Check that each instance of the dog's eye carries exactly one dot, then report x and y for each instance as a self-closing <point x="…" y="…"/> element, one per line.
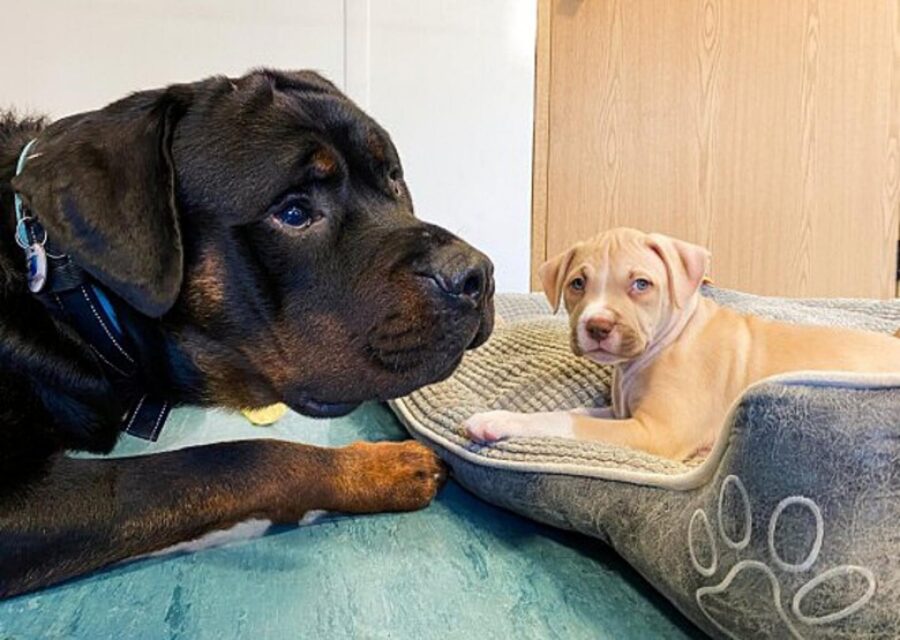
<point x="294" y="216"/>
<point x="641" y="284"/>
<point x="577" y="284"/>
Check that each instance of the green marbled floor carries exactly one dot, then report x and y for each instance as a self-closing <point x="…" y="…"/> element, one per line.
<point x="459" y="569"/>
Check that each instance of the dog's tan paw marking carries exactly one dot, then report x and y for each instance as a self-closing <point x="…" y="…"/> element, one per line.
<point x="388" y="476"/>
<point x="746" y="579"/>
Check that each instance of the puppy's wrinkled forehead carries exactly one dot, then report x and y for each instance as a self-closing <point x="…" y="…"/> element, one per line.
<point x="257" y="136"/>
<point x="615" y="255"/>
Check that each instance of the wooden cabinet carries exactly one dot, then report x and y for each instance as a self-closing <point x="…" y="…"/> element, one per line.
<point x="766" y="130"/>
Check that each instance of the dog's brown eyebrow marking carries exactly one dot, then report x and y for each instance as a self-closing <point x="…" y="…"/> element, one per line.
<point x="375" y="144"/>
<point x="323" y="163"/>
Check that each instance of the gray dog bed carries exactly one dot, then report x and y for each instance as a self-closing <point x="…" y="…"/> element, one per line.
<point x="791" y="526"/>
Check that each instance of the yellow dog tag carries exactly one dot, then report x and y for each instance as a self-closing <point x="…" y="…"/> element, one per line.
<point x="265" y="416"/>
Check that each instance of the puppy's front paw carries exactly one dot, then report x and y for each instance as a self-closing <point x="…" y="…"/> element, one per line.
<point x="491" y="426"/>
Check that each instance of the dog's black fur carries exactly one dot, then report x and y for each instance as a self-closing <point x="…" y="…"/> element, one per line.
<point x="173" y="200"/>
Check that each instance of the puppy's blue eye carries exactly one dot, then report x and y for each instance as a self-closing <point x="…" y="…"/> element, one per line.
<point x="294" y="216"/>
<point x="641" y="284"/>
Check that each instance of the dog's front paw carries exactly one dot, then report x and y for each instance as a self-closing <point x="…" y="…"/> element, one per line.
<point x="387" y="476"/>
<point x="491" y="426"/>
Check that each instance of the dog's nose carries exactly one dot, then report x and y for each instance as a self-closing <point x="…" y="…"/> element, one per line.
<point x="455" y="268"/>
<point x="599" y="328"/>
<point x="465" y="275"/>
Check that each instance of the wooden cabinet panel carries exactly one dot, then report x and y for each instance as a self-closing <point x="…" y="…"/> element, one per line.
<point x="767" y="130"/>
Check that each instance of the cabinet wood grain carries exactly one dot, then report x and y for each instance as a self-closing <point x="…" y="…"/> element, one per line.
<point x="766" y="130"/>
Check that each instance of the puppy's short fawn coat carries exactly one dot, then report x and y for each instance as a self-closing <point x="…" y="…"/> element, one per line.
<point x="680" y="359"/>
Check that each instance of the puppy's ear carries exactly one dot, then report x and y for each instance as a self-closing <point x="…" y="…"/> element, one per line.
<point x="686" y="264"/>
<point x="103" y="186"/>
<point x="553" y="274"/>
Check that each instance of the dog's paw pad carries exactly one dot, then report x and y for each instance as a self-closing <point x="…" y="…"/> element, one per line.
<point x="751" y="587"/>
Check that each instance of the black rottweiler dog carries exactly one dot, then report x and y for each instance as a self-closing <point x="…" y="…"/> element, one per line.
<point x="253" y="241"/>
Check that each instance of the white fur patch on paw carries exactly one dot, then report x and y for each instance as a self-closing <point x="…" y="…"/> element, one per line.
<point x="492" y="426"/>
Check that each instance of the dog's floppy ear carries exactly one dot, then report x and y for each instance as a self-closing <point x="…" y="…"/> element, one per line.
<point x="685" y="263"/>
<point x="102" y="184"/>
<point x="553" y="275"/>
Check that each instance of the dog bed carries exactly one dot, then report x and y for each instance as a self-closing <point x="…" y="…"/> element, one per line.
<point x="789" y="528"/>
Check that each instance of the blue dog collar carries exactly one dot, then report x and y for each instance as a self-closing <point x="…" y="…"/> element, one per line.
<point x="76" y="299"/>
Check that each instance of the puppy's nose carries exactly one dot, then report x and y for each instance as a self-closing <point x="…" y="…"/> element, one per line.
<point x="465" y="275"/>
<point x="599" y="328"/>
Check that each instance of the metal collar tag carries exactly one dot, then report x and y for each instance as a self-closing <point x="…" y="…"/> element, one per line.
<point x="30" y="236"/>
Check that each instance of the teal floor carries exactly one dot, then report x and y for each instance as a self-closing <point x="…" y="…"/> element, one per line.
<point x="459" y="569"/>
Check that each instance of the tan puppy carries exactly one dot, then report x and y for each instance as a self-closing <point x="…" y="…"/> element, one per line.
<point x="681" y="360"/>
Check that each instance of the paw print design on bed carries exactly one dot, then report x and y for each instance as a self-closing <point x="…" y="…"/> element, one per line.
<point x="840" y="599"/>
<point x="787" y="529"/>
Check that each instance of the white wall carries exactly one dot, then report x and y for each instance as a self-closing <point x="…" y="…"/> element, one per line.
<point x="65" y="56"/>
<point x="452" y="80"/>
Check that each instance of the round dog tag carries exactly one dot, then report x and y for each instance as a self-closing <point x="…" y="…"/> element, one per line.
<point x="36" y="258"/>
